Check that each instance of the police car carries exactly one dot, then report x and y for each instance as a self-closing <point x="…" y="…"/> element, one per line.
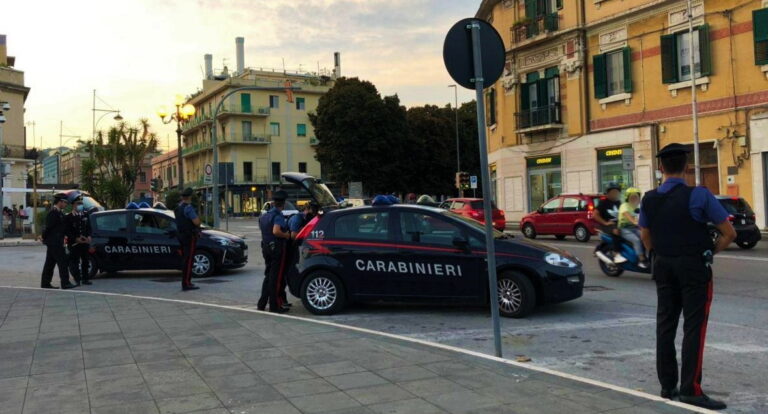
<point x="145" y="239"/>
<point x="413" y="253"/>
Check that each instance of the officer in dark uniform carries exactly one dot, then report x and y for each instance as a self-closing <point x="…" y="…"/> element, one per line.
<point x="674" y="221"/>
<point x="274" y="237"/>
<point x="78" y="240"/>
<point x="53" y="238"/>
<point x="188" y="228"/>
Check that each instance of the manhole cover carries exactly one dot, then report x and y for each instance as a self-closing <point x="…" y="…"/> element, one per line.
<point x="166" y="280"/>
<point x="211" y="281"/>
<point x="596" y="288"/>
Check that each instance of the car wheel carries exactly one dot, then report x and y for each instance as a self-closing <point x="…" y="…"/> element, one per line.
<point x="747" y="245"/>
<point x="560" y="236"/>
<point x="202" y="264"/>
<point x="322" y="293"/>
<point x="528" y="231"/>
<point x="581" y="233"/>
<point x="93" y="267"/>
<point x="515" y="294"/>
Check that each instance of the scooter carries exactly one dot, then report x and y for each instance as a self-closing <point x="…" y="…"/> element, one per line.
<point x="604" y="253"/>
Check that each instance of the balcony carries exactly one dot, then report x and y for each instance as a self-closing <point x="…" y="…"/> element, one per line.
<point x="238" y="109"/>
<point x="195" y="148"/>
<point x="539" y="119"/>
<point x="313" y="141"/>
<point x="195" y="123"/>
<point x="257" y="139"/>
<point x="531" y="28"/>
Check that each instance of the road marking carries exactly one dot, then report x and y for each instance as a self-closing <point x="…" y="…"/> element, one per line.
<point x="405" y="339"/>
<point x="719" y="256"/>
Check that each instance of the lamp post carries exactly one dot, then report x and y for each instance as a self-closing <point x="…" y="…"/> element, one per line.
<point x="117" y="117"/>
<point x="456" y="110"/>
<point x="182" y="114"/>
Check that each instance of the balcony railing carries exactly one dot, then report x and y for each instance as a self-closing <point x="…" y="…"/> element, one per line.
<point x="543" y="115"/>
<point x="195" y="122"/>
<point x="540" y="25"/>
<point x="238" y="109"/>
<point x="234" y="138"/>
<point x="191" y="149"/>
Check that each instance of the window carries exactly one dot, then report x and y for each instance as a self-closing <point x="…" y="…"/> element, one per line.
<point x="551" y="206"/>
<point x="490" y="98"/>
<point x="676" y="55"/>
<point x="274" y="129"/>
<point x="541" y="11"/>
<point x="303" y="167"/>
<point x="540" y="99"/>
<point x="248" y="171"/>
<point x="148" y="223"/>
<point x="572" y="204"/>
<point x="245" y="102"/>
<point x="300" y="104"/>
<point x="274" y="101"/>
<point x="275" y="171"/>
<point x="111" y="222"/>
<point x="301" y="130"/>
<point x="457" y="205"/>
<point x="613" y="73"/>
<point x="760" y="32"/>
<point x="142" y="177"/>
<point x="427" y="229"/>
<point x="174" y="171"/>
<point x="247" y="131"/>
<point x="363" y="226"/>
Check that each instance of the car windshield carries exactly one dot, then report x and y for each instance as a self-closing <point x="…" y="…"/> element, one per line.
<point x="478" y="205"/>
<point x="320" y="192"/>
<point x="90" y="203"/>
<point x="736" y="206"/>
<point x="475" y="224"/>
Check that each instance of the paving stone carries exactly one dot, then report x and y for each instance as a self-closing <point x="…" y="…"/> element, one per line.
<point x="155" y="355"/>
<point x="305" y="387"/>
<point x="66" y="377"/>
<point x="269" y="364"/>
<point x="234" y="382"/>
<point x="144" y="407"/>
<point x="262" y="353"/>
<point x="190" y="386"/>
<point x="105" y="357"/>
<point x="409" y="373"/>
<point x="108" y="373"/>
<point x="188" y="404"/>
<point x="379" y="394"/>
<point x="412" y="406"/>
<point x="462" y="401"/>
<point x="12" y="400"/>
<point x="270" y="407"/>
<point x="13" y="383"/>
<point x="335" y="368"/>
<point x="118" y="391"/>
<point x="324" y="402"/>
<point x="243" y="396"/>
<point x="356" y="380"/>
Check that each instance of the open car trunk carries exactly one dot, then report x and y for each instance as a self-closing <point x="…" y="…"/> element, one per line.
<point x="314" y="187"/>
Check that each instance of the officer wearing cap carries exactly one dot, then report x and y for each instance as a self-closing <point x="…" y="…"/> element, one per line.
<point x="53" y="238"/>
<point x="274" y="237"/>
<point x="78" y="230"/>
<point x="673" y="222"/>
<point x="188" y="228"/>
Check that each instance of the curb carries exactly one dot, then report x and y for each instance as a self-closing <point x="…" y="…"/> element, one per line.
<point x="15" y="243"/>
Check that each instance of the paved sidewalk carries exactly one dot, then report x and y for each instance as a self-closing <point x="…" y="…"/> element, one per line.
<point x="77" y="352"/>
<point x="18" y="241"/>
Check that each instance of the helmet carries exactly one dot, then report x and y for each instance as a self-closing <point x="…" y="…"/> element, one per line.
<point x="632" y="190"/>
<point x="612" y="186"/>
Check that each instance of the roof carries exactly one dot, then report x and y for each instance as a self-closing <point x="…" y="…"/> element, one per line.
<point x="389" y="206"/>
<point x="486" y="6"/>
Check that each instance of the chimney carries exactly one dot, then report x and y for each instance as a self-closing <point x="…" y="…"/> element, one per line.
<point x="208" y="66"/>
<point x="240" y="48"/>
<point x="3" y="51"/>
<point x="336" y="65"/>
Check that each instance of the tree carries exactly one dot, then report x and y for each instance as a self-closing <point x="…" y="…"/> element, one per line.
<point x="430" y="140"/>
<point x="116" y="159"/>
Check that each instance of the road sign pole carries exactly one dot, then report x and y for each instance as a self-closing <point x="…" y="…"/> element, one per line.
<point x="486" y="177"/>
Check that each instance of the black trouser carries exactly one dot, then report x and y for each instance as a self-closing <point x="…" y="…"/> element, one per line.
<point x="683" y="284"/>
<point x="188" y="243"/>
<point x="616" y="240"/>
<point x="55" y="256"/>
<point x="78" y="262"/>
<point x="272" y="289"/>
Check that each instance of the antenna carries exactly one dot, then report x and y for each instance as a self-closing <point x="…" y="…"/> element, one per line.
<point x="283" y="65"/>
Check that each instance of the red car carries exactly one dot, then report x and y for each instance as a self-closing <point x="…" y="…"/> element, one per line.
<point x="564" y="215"/>
<point x="473" y="208"/>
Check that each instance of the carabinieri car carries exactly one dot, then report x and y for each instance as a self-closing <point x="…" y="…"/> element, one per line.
<point x="145" y="239"/>
<point x="412" y="253"/>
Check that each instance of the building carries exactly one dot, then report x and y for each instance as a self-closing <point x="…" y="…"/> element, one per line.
<point x="262" y="133"/>
<point x="164" y="168"/>
<point x="589" y="83"/>
<point x="13" y="150"/>
<point x="50" y="166"/>
<point x="71" y="165"/>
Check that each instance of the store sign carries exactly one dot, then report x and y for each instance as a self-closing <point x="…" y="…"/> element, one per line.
<point x="612" y="154"/>
<point x="546" y="161"/>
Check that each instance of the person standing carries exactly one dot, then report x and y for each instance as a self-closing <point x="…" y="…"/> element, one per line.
<point x="274" y="237"/>
<point x="188" y="228"/>
<point x="78" y="240"/>
<point x="673" y="222"/>
<point x="53" y="238"/>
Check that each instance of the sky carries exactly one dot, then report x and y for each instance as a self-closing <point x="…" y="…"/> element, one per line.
<point x="139" y="54"/>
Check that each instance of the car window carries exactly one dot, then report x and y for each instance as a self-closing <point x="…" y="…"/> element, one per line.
<point x="370" y="225"/>
<point x="111" y="222"/>
<point x="551" y="206"/>
<point x="446" y="205"/>
<point x="736" y="206"/>
<point x="428" y="229"/>
<point x="572" y="204"/>
<point x="478" y="205"/>
<point x="457" y="205"/>
<point x="148" y="223"/>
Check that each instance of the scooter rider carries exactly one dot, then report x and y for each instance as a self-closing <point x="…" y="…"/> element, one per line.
<point x="628" y="213"/>
<point x="606" y="216"/>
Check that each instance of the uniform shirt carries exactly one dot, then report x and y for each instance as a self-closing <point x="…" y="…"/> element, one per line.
<point x="296" y="222"/>
<point x="189" y="211"/>
<point x="703" y="206"/>
<point x="271" y="218"/>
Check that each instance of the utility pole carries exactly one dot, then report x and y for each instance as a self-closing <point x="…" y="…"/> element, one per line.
<point x="694" y="101"/>
<point x="456" y="111"/>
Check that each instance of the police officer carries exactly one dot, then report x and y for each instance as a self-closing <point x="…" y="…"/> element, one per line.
<point x="53" y="238"/>
<point x="78" y="230"/>
<point x="298" y="221"/>
<point x="674" y="221"/>
<point x="274" y="237"/>
<point x="188" y="227"/>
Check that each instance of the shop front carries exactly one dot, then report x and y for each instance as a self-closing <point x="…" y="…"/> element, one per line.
<point x="610" y="168"/>
<point x="544" y="179"/>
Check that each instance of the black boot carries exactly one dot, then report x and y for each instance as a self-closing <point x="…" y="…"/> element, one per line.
<point x="672" y="394"/>
<point x="703" y="401"/>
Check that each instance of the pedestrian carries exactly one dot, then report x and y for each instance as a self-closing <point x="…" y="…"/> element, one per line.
<point x="673" y="222"/>
<point x="188" y="228"/>
<point x="79" y="240"/>
<point x="53" y="238"/>
<point x="274" y="237"/>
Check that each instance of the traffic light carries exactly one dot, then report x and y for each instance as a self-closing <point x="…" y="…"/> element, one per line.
<point x="155" y="185"/>
<point x="464" y="180"/>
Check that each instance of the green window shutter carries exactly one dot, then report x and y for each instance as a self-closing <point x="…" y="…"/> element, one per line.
<point x="760" y="31"/>
<point x="551" y="72"/>
<point x="669" y="58"/>
<point x="532" y="77"/>
<point x="542" y="90"/>
<point x="530" y="9"/>
<point x="600" y="75"/>
<point x="627" y="54"/>
<point x="245" y="102"/>
<point x="301" y="130"/>
<point x="559" y="4"/>
<point x="705" y="50"/>
<point x="525" y="97"/>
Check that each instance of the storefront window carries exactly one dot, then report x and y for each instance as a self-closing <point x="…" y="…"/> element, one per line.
<point x="544" y="179"/>
<point x="611" y="169"/>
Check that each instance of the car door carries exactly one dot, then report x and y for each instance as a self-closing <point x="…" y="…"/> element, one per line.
<point x="549" y="216"/>
<point x="153" y="246"/>
<point x="109" y="233"/>
<point x="431" y="266"/>
<point x="568" y="215"/>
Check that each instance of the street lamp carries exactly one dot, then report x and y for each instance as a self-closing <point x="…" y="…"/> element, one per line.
<point x="94" y="109"/>
<point x="182" y="114"/>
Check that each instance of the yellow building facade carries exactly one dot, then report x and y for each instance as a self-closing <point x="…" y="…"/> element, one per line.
<point x="623" y="91"/>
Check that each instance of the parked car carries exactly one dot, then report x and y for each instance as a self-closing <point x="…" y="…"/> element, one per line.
<point x="357" y="202"/>
<point x="564" y="215"/>
<point x="473" y="208"/>
<point x="288" y="210"/>
<point x="743" y="218"/>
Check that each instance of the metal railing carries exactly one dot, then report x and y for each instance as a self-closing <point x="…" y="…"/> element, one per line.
<point x="191" y="149"/>
<point x="543" y="115"/>
<point x="244" y="109"/>
<point x="233" y="137"/>
<point x="195" y="122"/>
<point x="539" y="25"/>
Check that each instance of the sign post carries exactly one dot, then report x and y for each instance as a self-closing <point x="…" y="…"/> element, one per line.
<point x="474" y="55"/>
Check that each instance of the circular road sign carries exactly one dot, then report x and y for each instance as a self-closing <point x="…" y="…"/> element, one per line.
<point x="458" y="57"/>
<point x="208" y="169"/>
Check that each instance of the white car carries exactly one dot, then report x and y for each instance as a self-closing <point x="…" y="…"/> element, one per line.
<point x="288" y="211"/>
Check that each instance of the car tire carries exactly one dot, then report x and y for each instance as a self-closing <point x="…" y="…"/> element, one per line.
<point x="747" y="245"/>
<point x="560" y="236"/>
<point x="515" y="295"/>
<point x="529" y="231"/>
<point x="202" y="264"/>
<point x="93" y="267"/>
<point x="581" y="233"/>
<point x="322" y="293"/>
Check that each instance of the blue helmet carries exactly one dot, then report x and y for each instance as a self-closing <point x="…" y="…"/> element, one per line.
<point x="384" y="200"/>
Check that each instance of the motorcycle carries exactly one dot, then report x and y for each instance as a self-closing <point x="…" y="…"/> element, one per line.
<point x="604" y="253"/>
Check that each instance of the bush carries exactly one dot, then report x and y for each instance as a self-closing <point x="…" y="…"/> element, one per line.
<point x="173" y="198"/>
